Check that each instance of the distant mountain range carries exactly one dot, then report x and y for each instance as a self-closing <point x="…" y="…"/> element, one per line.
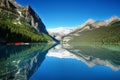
<point x="89" y="25"/>
<point x="59" y="32"/>
<point x="19" y="23"/>
<point x="96" y="31"/>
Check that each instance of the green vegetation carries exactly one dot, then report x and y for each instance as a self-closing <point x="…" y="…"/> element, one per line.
<point x="22" y="56"/>
<point x="14" y="28"/>
<point x="9" y="9"/>
<point x="103" y="35"/>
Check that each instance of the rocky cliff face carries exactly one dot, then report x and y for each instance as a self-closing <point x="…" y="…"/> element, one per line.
<point x="26" y="12"/>
<point x="10" y="4"/>
<point x="33" y="19"/>
<point x="91" y="25"/>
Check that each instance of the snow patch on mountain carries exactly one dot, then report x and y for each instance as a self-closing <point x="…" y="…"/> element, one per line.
<point x="97" y="24"/>
<point x="89" y="25"/>
<point x="89" y="21"/>
<point x="59" y="32"/>
<point x="113" y="18"/>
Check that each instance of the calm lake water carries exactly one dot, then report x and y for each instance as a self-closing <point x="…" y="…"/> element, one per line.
<point x="60" y="62"/>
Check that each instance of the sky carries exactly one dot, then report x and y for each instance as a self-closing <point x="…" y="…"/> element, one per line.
<point x="72" y="13"/>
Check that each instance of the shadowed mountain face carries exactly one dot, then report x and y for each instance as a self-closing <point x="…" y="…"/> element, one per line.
<point x="27" y="12"/>
<point x="105" y="55"/>
<point x="21" y="24"/>
<point x="20" y="62"/>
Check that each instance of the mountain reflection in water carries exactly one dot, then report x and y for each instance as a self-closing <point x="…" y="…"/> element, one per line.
<point x="80" y="62"/>
<point x="61" y="62"/>
<point x="20" y="62"/>
<point x="104" y="55"/>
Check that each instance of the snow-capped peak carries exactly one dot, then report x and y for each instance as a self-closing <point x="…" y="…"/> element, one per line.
<point x="113" y="18"/>
<point x="62" y="30"/>
<point x="89" y="21"/>
<point x="59" y="32"/>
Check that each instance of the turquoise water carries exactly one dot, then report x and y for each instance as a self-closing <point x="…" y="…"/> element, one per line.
<point x="50" y="62"/>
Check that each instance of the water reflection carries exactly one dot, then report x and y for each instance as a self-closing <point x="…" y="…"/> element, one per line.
<point x="20" y="62"/>
<point x="105" y="55"/>
<point x="61" y="62"/>
<point x="59" y="52"/>
<point x="68" y="62"/>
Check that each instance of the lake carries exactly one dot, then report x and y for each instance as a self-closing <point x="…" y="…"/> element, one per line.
<point x="39" y="61"/>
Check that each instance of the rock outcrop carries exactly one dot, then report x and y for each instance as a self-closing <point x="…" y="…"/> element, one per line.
<point x="26" y="12"/>
<point x="91" y="25"/>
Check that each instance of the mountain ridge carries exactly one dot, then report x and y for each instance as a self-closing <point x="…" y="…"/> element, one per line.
<point x="94" y="31"/>
<point x="27" y="12"/>
<point x="13" y="14"/>
<point x="90" y="24"/>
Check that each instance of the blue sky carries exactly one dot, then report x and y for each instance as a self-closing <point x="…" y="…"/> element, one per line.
<point x="70" y="13"/>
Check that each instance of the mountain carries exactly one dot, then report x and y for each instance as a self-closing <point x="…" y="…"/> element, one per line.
<point x="19" y="23"/>
<point x="99" y="32"/>
<point x="27" y="12"/>
<point x="89" y="21"/>
<point x="112" y="20"/>
<point x="58" y="33"/>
